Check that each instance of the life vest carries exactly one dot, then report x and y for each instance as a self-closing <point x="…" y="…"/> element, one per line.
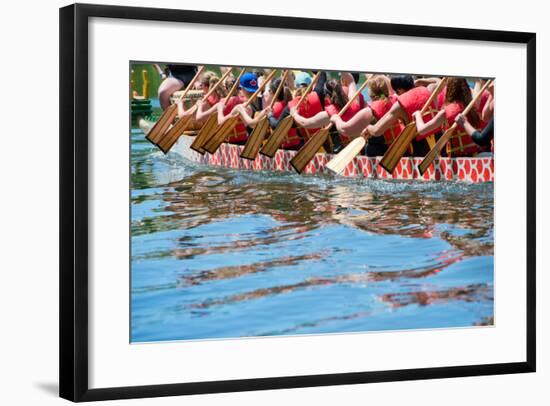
<point x="292" y="139"/>
<point x="414" y="100"/>
<point x="461" y="144"/>
<point x="379" y="108"/>
<point x="213" y="99"/>
<point x="239" y="133"/>
<point x="310" y="107"/>
<point x="352" y="110"/>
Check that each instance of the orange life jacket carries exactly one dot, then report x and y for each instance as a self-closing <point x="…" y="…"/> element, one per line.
<point x="310" y="107"/>
<point x="461" y="144"/>
<point x="292" y="138"/>
<point x="239" y="133"/>
<point x="379" y="108"/>
<point x="414" y="100"/>
<point x="353" y="109"/>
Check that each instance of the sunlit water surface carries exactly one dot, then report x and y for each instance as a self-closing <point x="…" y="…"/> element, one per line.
<point x="219" y="253"/>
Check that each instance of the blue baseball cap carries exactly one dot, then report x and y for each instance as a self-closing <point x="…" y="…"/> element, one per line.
<point x="302" y="78"/>
<point x="249" y="82"/>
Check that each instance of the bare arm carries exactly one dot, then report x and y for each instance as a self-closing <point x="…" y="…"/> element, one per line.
<point x="433" y="124"/>
<point x="159" y="70"/>
<point x="433" y="85"/>
<point x="387" y="120"/>
<point x="347" y="80"/>
<point x="318" y="120"/>
<point x="354" y="126"/>
<point x="184" y="113"/>
<point x="245" y="112"/>
<point x="488" y="109"/>
<point x="202" y="114"/>
<point x="222" y="118"/>
<point x="461" y="120"/>
<point x="426" y="81"/>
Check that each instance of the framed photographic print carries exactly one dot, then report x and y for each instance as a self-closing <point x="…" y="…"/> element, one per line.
<point x="238" y="214"/>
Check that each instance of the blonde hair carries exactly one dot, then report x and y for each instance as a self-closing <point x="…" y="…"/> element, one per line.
<point x="378" y="87"/>
<point x="207" y="77"/>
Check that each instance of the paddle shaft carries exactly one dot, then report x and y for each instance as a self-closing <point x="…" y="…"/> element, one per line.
<point x="435" y="151"/>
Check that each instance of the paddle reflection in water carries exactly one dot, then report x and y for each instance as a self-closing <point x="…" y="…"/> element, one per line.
<point x="219" y="253"/>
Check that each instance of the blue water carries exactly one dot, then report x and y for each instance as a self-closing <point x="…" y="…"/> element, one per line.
<point x="218" y="253"/>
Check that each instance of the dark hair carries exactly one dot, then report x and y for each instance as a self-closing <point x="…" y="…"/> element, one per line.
<point x="355" y="76"/>
<point x="403" y="82"/>
<point x="285" y="94"/>
<point x="335" y="93"/>
<point x="459" y="91"/>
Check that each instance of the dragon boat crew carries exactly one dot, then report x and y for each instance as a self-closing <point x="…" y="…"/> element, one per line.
<point x="334" y="99"/>
<point x="382" y="99"/>
<point x="247" y="86"/>
<point x="457" y="96"/>
<point x="410" y="98"/>
<point x="205" y="108"/>
<point x="292" y="140"/>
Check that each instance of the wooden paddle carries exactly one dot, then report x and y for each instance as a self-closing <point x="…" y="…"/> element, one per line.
<point x="436" y="150"/>
<point x="310" y="148"/>
<point x="211" y="125"/>
<point x="162" y="124"/>
<point x="218" y="138"/>
<point x="181" y="125"/>
<point x="254" y="142"/>
<point x="399" y="146"/>
<point x="278" y="135"/>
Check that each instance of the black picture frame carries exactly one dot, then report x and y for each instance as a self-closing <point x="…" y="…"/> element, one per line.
<point x="74" y="196"/>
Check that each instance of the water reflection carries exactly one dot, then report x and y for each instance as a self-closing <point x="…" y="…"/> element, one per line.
<point x="293" y="254"/>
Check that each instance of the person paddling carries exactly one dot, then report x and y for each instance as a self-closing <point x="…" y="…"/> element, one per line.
<point x="292" y="139"/>
<point x="457" y="97"/>
<point x="382" y="99"/>
<point x="205" y="108"/>
<point x="175" y="77"/>
<point x="335" y="97"/>
<point x="248" y="84"/>
<point x="409" y="100"/>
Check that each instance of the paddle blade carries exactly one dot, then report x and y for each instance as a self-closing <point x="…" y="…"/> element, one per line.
<point x="308" y="151"/>
<point x="254" y="141"/>
<point x="162" y="124"/>
<point x="344" y="157"/>
<point x="219" y="136"/>
<point x="277" y="136"/>
<point x="398" y="148"/>
<point x="207" y="130"/>
<point x="434" y="152"/>
<point x="172" y="135"/>
<point x="145" y="125"/>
